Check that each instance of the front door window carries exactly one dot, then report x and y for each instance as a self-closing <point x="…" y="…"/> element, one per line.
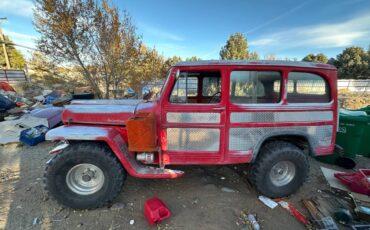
<point x="197" y="87"/>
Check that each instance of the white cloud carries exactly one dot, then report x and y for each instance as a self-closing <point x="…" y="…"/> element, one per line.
<point x="19" y="36"/>
<point x="160" y="33"/>
<point x="210" y="55"/>
<point x="170" y="49"/>
<point x="334" y="35"/>
<point x="286" y="13"/>
<point x="17" y="7"/>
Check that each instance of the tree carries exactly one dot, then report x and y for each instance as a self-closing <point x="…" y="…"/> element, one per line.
<point x="118" y="48"/>
<point x="171" y="61"/>
<point x="46" y="72"/>
<point x="253" y="56"/>
<point x="333" y="61"/>
<point x="271" y="57"/>
<point x="41" y="65"/>
<point x="16" y="58"/>
<point x="368" y="62"/>
<point x="149" y="67"/>
<point x="193" y="58"/>
<point x="320" y="57"/>
<point x="353" y="63"/>
<point x="95" y="38"/>
<point x="236" y="48"/>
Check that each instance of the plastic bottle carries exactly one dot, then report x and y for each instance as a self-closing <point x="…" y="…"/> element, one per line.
<point x="254" y="222"/>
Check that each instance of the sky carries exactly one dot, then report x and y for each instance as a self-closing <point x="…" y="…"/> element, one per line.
<point x="285" y="28"/>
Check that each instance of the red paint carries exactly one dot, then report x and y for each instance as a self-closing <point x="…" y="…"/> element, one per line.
<point x="114" y="122"/>
<point x="323" y="151"/>
<point x="80" y="114"/>
<point x="224" y="156"/>
<point x="155" y="211"/>
<point x="357" y="182"/>
<point x="294" y="212"/>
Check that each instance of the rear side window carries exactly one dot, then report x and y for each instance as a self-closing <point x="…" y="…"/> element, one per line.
<point x="307" y="88"/>
<point x="255" y="87"/>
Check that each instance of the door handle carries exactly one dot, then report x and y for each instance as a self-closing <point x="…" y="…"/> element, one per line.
<point x="218" y="109"/>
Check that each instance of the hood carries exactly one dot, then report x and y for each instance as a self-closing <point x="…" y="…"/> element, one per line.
<point x="108" y="102"/>
<point x="107" y="112"/>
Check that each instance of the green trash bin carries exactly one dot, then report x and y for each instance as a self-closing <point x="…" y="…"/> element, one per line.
<point x="365" y="142"/>
<point x="366" y="109"/>
<point x="354" y="132"/>
<point x="353" y="137"/>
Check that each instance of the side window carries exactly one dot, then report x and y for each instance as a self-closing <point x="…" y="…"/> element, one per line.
<point x="307" y="88"/>
<point x="197" y="87"/>
<point x="255" y="87"/>
<point x="211" y="86"/>
<point x="184" y="87"/>
<point x="277" y="86"/>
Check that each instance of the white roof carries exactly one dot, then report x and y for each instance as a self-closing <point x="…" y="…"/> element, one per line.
<point x="256" y="62"/>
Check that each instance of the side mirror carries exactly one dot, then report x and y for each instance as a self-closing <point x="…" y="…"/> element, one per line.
<point x="147" y="92"/>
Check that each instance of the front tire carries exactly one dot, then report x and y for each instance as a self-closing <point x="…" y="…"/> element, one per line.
<point x="280" y="169"/>
<point x="84" y="176"/>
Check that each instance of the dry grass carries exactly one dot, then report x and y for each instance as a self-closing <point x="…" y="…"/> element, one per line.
<point x="352" y="100"/>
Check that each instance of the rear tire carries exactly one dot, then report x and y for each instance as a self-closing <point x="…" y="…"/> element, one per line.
<point x="280" y="169"/>
<point x="84" y="176"/>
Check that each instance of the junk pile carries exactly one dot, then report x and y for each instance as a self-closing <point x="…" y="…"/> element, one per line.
<point x="345" y="205"/>
<point x="28" y="116"/>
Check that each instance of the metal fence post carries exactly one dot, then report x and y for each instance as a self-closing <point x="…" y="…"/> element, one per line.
<point x="6" y="75"/>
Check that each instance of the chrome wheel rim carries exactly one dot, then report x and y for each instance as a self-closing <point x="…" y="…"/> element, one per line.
<point x="282" y="173"/>
<point x="85" y="179"/>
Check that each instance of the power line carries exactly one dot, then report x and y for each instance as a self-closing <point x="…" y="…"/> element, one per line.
<point x="14" y="44"/>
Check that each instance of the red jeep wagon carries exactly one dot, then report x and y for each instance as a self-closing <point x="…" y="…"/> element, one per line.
<point x="271" y="114"/>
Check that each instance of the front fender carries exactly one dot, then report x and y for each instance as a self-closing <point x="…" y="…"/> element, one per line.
<point x="77" y="132"/>
<point x="114" y="137"/>
<point x="109" y="135"/>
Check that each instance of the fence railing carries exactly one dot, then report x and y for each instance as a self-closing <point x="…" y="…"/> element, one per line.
<point x="358" y="86"/>
<point x="12" y="75"/>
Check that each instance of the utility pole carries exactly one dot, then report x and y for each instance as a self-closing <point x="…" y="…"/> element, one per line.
<point x="4" y="47"/>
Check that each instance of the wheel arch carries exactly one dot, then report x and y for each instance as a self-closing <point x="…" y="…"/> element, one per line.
<point x="107" y="136"/>
<point x="300" y="139"/>
<point x="114" y="139"/>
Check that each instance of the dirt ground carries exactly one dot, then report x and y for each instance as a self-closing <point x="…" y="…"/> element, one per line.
<point x="207" y="197"/>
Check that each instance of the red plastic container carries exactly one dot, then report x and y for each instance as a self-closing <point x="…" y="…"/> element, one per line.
<point x="155" y="211"/>
<point x="358" y="182"/>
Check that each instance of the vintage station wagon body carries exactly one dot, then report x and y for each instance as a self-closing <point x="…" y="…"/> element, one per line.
<point x="270" y="113"/>
<point x="287" y="100"/>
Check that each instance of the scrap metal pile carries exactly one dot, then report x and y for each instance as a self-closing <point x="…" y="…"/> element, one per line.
<point x="27" y="116"/>
<point x="345" y="204"/>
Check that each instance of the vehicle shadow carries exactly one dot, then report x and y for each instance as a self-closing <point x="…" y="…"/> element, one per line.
<point x="25" y="205"/>
<point x="207" y="197"/>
